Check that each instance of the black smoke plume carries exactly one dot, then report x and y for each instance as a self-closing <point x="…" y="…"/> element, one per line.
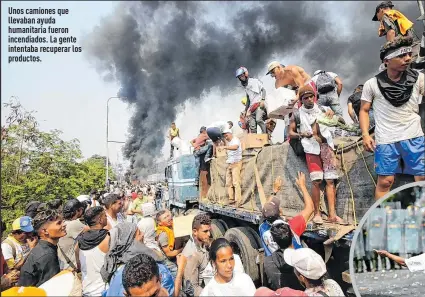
<point x="165" y="53"/>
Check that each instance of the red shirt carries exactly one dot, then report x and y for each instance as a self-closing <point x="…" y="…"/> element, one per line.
<point x="200" y="141"/>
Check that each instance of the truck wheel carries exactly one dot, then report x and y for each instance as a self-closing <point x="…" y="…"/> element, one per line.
<point x="245" y="245"/>
<point x="224" y="224"/>
<point x="217" y="229"/>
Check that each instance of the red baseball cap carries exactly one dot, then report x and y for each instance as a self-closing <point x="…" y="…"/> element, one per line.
<point x="134" y="195"/>
<point x="283" y="292"/>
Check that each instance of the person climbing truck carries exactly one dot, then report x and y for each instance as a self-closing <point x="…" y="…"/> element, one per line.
<point x="392" y="22"/>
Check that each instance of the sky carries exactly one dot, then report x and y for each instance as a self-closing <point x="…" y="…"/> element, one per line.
<point x="64" y="89"/>
<point x="69" y="94"/>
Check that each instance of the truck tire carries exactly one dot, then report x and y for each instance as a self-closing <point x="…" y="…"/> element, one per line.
<point x="217" y="229"/>
<point x="245" y="245"/>
<point x="224" y="224"/>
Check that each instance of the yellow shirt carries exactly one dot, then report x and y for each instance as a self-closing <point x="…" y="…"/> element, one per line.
<point x="174" y="132"/>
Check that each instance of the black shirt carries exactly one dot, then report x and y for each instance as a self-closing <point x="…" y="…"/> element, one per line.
<point x="41" y="265"/>
<point x="279" y="274"/>
<point x="354" y="99"/>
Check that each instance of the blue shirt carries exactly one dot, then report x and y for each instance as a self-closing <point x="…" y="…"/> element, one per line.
<point x="116" y="289"/>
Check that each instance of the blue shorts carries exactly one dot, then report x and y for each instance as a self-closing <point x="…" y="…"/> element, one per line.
<point x="389" y="157"/>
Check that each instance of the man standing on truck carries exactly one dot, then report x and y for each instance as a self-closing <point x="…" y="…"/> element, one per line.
<point x="215" y="133"/>
<point x="282" y="235"/>
<point x="395" y="95"/>
<point x="329" y="88"/>
<point x="255" y="108"/>
<point x="317" y="143"/>
<point x="200" y="147"/>
<point x="292" y="77"/>
<point x="233" y="171"/>
<point x="173" y="132"/>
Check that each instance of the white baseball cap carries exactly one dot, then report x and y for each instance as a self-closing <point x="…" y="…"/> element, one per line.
<point x="271" y="66"/>
<point x="306" y="261"/>
<point x="227" y="131"/>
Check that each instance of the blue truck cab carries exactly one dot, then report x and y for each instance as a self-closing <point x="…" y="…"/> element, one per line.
<point x="180" y="175"/>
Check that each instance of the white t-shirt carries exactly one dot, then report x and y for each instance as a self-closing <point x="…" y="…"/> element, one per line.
<point x="112" y="222"/>
<point x="234" y="156"/>
<point x="416" y="263"/>
<point x="394" y="124"/>
<point x="21" y="249"/>
<point x="307" y="118"/>
<point x="240" y="285"/>
<point x="334" y="93"/>
<point x="253" y="90"/>
<point x="209" y="273"/>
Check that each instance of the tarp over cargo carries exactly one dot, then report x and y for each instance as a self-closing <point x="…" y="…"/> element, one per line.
<point x="280" y="160"/>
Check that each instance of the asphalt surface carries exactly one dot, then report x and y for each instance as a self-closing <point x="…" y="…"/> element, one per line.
<point x="391" y="283"/>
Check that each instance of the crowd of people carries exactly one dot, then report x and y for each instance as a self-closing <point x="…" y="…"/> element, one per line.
<point x="117" y="246"/>
<point x="122" y="242"/>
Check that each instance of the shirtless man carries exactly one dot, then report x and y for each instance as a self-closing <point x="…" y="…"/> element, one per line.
<point x="288" y="76"/>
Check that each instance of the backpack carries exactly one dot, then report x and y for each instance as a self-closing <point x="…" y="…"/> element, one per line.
<point x="325" y="83"/>
<point x="296" y="143"/>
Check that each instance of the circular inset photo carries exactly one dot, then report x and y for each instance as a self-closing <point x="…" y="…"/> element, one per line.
<point x="387" y="257"/>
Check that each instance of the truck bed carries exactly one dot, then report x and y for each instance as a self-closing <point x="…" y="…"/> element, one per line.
<point x="318" y="232"/>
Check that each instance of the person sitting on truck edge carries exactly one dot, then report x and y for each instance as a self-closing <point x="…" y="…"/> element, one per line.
<point x="329" y="88"/>
<point x="173" y="132"/>
<point x="215" y="133"/>
<point x="255" y="109"/>
<point x="196" y="252"/>
<point x="310" y="269"/>
<point x="200" y="145"/>
<point x="165" y="238"/>
<point x="233" y="171"/>
<point x="318" y="145"/>
<point x="286" y="235"/>
<point x="395" y="95"/>
<point x="392" y="22"/>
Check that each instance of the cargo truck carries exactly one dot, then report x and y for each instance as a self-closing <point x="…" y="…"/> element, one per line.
<point x="355" y="194"/>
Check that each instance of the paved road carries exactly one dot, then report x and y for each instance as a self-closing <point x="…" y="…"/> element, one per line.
<point x="400" y="283"/>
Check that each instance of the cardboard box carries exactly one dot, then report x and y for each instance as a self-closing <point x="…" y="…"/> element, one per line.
<point x="251" y="140"/>
<point x="182" y="225"/>
<point x="278" y="103"/>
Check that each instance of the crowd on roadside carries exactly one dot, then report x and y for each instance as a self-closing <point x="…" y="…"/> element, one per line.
<point x="115" y="248"/>
<point x="122" y="243"/>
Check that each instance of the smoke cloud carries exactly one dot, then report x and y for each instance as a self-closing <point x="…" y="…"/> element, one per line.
<point x="166" y="53"/>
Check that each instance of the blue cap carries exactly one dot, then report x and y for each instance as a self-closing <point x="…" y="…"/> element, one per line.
<point x="23" y="223"/>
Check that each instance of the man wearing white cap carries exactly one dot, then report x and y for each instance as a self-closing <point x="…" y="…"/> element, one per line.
<point x="291" y="76"/>
<point x="233" y="172"/>
<point x="395" y="95"/>
<point x="311" y="272"/>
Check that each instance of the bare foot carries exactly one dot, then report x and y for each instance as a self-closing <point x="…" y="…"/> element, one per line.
<point x="318" y="220"/>
<point x="337" y="220"/>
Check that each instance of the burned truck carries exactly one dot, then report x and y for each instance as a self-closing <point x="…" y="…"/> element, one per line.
<point x="261" y="165"/>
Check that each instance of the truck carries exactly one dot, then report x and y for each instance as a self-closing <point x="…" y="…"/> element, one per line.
<point x="261" y="165"/>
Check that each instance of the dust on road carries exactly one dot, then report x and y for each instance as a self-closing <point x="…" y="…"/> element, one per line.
<point x="401" y="283"/>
